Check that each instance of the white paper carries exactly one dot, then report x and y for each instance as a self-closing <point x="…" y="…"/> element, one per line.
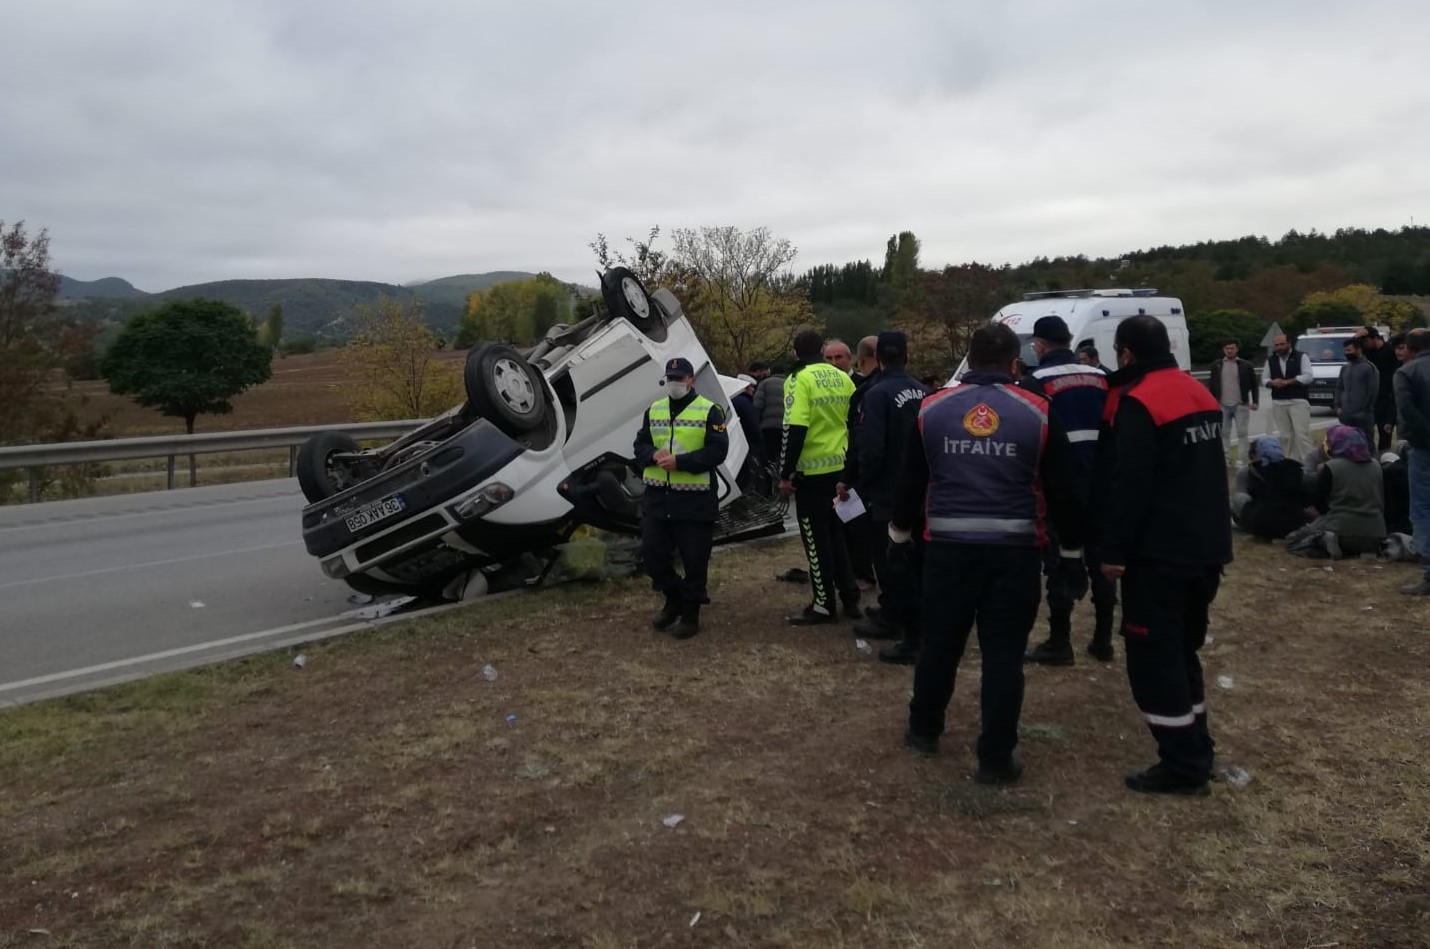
<point x="850" y="509"/>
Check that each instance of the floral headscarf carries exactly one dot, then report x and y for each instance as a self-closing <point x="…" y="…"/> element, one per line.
<point x="1346" y="442"/>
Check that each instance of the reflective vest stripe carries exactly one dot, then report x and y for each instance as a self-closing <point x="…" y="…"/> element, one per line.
<point x="680" y="435"/>
<point x="1085" y="435"/>
<point x="1170" y="721"/>
<point x="983" y="524"/>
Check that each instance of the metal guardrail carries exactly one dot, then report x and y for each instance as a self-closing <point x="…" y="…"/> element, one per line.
<point x="34" y="458"/>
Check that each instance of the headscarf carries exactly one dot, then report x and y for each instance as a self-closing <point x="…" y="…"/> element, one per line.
<point x="1346" y="442"/>
<point x="1267" y="449"/>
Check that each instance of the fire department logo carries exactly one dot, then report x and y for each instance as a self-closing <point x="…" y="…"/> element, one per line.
<point x="981" y="420"/>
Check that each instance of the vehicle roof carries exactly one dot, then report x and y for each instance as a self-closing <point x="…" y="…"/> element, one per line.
<point x="1080" y="307"/>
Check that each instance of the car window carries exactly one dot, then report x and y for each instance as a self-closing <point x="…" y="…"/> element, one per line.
<point x="1323" y="349"/>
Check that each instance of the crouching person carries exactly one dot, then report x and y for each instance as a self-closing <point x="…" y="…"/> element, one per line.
<point x="681" y="442"/>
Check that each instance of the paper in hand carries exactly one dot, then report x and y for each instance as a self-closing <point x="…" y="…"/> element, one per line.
<point x="850" y="509"/>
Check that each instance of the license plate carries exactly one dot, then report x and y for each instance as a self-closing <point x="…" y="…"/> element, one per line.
<point x="1323" y="396"/>
<point x="380" y="510"/>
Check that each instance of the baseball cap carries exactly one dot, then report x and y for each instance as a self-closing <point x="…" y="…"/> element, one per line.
<point x="678" y="368"/>
<point x="1053" y="329"/>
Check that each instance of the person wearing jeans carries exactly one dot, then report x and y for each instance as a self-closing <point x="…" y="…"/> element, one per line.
<point x="1233" y="384"/>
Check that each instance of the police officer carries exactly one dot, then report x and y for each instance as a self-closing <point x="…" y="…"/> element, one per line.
<point x="889" y="413"/>
<point x="1164" y="532"/>
<point x="816" y="437"/>
<point x="1076" y="394"/>
<point x="986" y="456"/>
<point x="680" y="443"/>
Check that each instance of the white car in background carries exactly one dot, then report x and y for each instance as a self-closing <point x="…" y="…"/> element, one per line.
<point x="543" y="444"/>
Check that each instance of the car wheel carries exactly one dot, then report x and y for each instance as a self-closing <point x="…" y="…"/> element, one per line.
<point x="626" y="297"/>
<point x="504" y="388"/>
<point x="318" y="476"/>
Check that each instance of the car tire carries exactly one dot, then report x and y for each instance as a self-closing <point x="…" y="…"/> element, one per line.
<point x="626" y="297"/>
<point x="505" y="389"/>
<point x="316" y="476"/>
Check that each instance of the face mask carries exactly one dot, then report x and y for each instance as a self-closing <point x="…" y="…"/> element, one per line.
<point x="678" y="390"/>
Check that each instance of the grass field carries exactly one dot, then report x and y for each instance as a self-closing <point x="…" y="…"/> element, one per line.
<point x="380" y="796"/>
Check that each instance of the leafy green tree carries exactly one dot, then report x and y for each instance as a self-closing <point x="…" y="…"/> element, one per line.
<point x="1209" y="332"/>
<point x="273" y="326"/>
<point x="394" y="361"/>
<point x="515" y="311"/>
<point x="1322" y="313"/>
<point x="187" y="358"/>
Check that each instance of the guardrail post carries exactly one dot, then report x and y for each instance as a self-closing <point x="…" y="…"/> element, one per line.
<point x="292" y="461"/>
<point x="35" y="485"/>
<point x="169" y="474"/>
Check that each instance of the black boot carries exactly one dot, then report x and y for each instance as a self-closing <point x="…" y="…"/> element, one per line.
<point x="689" y="623"/>
<point x="1101" y="646"/>
<point x="905" y="652"/>
<point x="1057" y="650"/>
<point x="1158" y="780"/>
<point x="851" y="607"/>
<point x="810" y="616"/>
<point x="669" y="613"/>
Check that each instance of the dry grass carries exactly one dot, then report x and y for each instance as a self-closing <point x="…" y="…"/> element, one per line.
<point x="380" y="797"/>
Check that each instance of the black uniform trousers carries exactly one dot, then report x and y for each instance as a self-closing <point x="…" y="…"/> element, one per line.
<point x="830" y="573"/>
<point x="858" y="541"/>
<point x="1164" y="624"/>
<point x="1060" y="600"/>
<point x="899" y="587"/>
<point x="997" y="588"/>
<point x="663" y="536"/>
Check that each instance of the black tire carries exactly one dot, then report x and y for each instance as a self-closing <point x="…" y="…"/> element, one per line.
<point x="316" y="475"/>
<point x="505" y="389"/>
<point x="626" y="297"/>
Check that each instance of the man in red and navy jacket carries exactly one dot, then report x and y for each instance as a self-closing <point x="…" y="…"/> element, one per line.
<point x="986" y="470"/>
<point x="1164" y="530"/>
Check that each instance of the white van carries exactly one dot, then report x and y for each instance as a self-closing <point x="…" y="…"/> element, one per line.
<point x="1325" y="347"/>
<point x="1092" y="317"/>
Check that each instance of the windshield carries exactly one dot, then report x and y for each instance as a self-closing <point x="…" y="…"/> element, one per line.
<point x="1323" y="348"/>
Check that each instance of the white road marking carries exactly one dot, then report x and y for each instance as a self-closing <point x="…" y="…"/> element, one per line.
<point x="151" y="563"/>
<point x="181" y="509"/>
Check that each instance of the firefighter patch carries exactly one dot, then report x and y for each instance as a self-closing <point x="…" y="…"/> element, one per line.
<point x="981" y="420"/>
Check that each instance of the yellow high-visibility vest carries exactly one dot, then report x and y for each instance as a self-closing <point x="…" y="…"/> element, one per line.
<point x="679" y="436"/>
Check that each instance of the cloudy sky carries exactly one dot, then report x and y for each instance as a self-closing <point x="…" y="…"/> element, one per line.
<point x="180" y="141"/>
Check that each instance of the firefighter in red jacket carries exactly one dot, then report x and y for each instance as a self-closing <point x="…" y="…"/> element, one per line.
<point x="1162" y="509"/>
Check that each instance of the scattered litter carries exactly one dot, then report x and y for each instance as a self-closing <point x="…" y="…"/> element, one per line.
<point x="360" y="599"/>
<point x="863" y="646"/>
<point x="1329" y="569"/>
<point x="379" y="610"/>
<point x="549" y="829"/>
<point x="1366" y="609"/>
<point x="1210" y="638"/>
<point x="489" y="672"/>
<point x="300" y="660"/>
<point x="1283" y="569"/>
<point x="1237" y="776"/>
<point x="1072" y="823"/>
<point x="196" y="604"/>
<point x="695" y="919"/>
<point x="39" y="932"/>
<point x="1225" y="682"/>
<point x="673" y="821"/>
<point x="511" y="719"/>
<point x="993" y="882"/>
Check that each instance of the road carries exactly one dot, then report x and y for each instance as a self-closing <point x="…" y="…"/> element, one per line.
<point x="101" y="590"/>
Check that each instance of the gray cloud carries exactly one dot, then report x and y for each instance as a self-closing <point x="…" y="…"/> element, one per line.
<point x="177" y="142"/>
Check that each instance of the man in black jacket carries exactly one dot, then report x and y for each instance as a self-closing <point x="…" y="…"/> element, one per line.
<point x="1162" y="510"/>
<point x="1234" y="385"/>
<point x="889" y="412"/>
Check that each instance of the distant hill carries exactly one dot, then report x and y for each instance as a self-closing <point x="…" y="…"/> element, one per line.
<point x="312" y="306"/>
<point x="456" y="289"/>
<point x="105" y="288"/>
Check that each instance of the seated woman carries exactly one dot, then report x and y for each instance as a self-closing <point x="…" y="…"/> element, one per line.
<point x="1350" y="495"/>
<point x="1270" y="498"/>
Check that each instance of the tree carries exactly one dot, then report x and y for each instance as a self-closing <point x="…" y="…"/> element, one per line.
<point x="738" y="292"/>
<point x="1374" y="308"/>
<point x="37" y="341"/>
<point x="1322" y="313"/>
<point x="273" y="326"/>
<point x="515" y="311"/>
<point x="655" y="268"/>
<point x="394" y="357"/>
<point x="952" y="304"/>
<point x="902" y="274"/>
<point x="187" y="358"/>
<point x="1209" y="332"/>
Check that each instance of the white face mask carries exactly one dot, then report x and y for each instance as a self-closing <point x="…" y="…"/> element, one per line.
<point x="678" y="389"/>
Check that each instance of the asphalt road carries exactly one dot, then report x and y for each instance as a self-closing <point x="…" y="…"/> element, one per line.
<point x="101" y="590"/>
